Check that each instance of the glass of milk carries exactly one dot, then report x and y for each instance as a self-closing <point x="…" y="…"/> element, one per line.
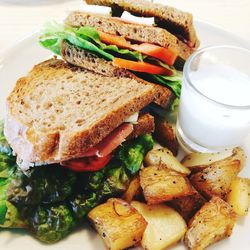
<point x="214" y="111"/>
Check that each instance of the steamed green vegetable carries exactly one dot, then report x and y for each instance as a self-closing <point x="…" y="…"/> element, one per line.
<point x="45" y="184"/>
<point x="88" y="39"/>
<point x="114" y="178"/>
<point x="50" y="200"/>
<point x="51" y="223"/>
<point x="9" y="216"/>
<point x="132" y="153"/>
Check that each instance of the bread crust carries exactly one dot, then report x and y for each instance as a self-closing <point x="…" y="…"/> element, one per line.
<point x="84" y="59"/>
<point x="132" y="31"/>
<point x="38" y="145"/>
<point x="177" y="22"/>
<point x="144" y="125"/>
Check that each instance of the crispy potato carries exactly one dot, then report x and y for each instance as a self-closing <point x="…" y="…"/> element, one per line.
<point x="239" y="196"/>
<point x="216" y="179"/>
<point x="118" y="223"/>
<point x="163" y="156"/>
<point x="213" y="222"/>
<point x="134" y="189"/>
<point x="199" y="161"/>
<point x="165" y="134"/>
<point x="187" y="206"/>
<point x="161" y="184"/>
<point x="165" y="226"/>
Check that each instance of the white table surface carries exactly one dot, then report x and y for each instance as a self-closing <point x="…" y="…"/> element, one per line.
<point x="19" y="18"/>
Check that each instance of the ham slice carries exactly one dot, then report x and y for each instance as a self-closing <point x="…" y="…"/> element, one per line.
<point x="111" y="142"/>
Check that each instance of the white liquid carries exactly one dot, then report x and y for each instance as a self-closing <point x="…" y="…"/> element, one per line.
<point x="207" y="123"/>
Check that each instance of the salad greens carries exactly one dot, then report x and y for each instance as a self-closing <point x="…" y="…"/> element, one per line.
<point x="88" y="39"/>
<point x="51" y="200"/>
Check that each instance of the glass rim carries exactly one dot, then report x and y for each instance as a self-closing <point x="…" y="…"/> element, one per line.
<point x="186" y="71"/>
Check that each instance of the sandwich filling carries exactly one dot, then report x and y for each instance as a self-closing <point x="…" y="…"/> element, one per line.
<point x="150" y="62"/>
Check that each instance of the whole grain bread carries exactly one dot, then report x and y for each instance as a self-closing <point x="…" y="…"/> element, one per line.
<point x="131" y="31"/>
<point x="177" y="22"/>
<point x="84" y="59"/>
<point x="144" y="125"/>
<point x="58" y="111"/>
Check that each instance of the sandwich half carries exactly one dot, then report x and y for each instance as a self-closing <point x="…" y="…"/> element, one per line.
<point x="60" y="112"/>
<point x="109" y="45"/>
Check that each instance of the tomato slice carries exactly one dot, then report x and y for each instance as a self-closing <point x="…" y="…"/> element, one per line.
<point x="164" y="54"/>
<point x="87" y="164"/>
<point x="141" y="67"/>
<point x="119" y="41"/>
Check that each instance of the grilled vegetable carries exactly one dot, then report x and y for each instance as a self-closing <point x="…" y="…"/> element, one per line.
<point x="165" y="226"/>
<point x="118" y="223"/>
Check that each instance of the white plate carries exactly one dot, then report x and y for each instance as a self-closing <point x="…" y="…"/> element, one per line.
<point x="16" y="62"/>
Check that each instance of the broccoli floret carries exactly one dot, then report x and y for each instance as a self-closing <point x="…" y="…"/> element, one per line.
<point x="51" y="223"/>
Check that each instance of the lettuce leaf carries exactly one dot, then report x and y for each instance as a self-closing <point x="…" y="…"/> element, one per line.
<point x="86" y="38"/>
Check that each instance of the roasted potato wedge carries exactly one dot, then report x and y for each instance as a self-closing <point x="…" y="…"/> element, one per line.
<point x="216" y="179"/>
<point x="239" y="196"/>
<point x="165" y="134"/>
<point x="187" y="206"/>
<point x="164" y="157"/>
<point x="161" y="184"/>
<point x="118" y="223"/>
<point x="199" y="161"/>
<point x="213" y="222"/>
<point x="133" y="190"/>
<point x="165" y="226"/>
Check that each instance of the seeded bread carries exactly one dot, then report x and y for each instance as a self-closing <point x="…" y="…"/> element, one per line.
<point x="58" y="111"/>
<point x="132" y="31"/>
<point x="175" y="21"/>
<point x="84" y="59"/>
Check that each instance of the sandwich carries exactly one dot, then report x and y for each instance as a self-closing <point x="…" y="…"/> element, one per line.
<point x="78" y="137"/>
<point x="110" y="44"/>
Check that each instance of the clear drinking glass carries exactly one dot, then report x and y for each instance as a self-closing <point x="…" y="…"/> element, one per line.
<point x="214" y="111"/>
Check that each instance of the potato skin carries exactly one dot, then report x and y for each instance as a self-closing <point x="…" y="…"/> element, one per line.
<point x="197" y="162"/>
<point x="239" y="195"/>
<point x="187" y="206"/>
<point x="164" y="157"/>
<point x="165" y="135"/>
<point x="216" y="179"/>
<point x="118" y="223"/>
<point x="160" y="184"/>
<point x="213" y="222"/>
<point x="165" y="226"/>
<point x="133" y="190"/>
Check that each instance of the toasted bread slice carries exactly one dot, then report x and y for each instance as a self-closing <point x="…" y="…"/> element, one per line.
<point x="131" y="31"/>
<point x="175" y="21"/>
<point x="58" y="111"/>
<point x="84" y="59"/>
<point x="144" y="125"/>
